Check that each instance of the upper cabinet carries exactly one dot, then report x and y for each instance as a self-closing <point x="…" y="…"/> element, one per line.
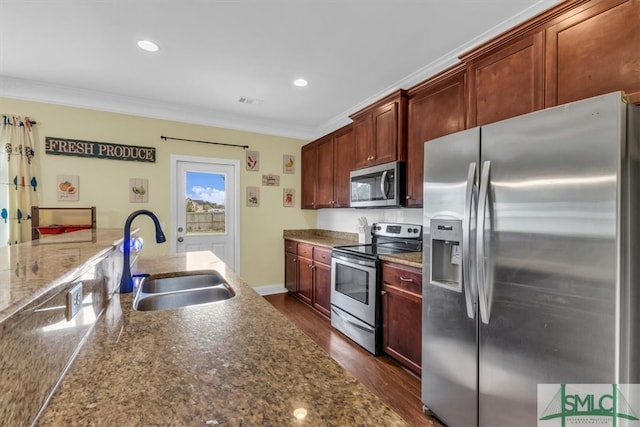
<point x="436" y="107"/>
<point x="309" y="178"/>
<point x="506" y="82"/>
<point x="324" y="172"/>
<point x="326" y="164"/>
<point x="575" y="50"/>
<point x="593" y="51"/>
<point x="379" y="131"/>
<point x="343" y="160"/>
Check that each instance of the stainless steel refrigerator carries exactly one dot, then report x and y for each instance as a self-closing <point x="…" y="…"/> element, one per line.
<point x="531" y="230"/>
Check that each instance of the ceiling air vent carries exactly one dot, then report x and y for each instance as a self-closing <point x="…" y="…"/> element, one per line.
<point x="250" y="101"/>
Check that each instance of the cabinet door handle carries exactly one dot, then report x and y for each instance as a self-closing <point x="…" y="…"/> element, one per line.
<point x="383" y="292"/>
<point x="405" y="279"/>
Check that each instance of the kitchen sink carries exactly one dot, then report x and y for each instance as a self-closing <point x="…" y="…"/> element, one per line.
<point x="181" y="281"/>
<point x="163" y="292"/>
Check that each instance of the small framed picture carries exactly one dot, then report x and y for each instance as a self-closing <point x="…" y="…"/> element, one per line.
<point x="67" y="188"/>
<point x="253" y="160"/>
<point x="289" y="197"/>
<point x="271" y="180"/>
<point x="253" y="197"/>
<point x="288" y="163"/>
<point x="138" y="190"/>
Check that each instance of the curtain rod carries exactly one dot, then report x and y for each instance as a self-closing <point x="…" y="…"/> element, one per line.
<point x="205" y="142"/>
<point x="8" y="122"/>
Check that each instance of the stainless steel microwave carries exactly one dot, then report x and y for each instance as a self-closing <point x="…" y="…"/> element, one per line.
<point x="380" y="186"/>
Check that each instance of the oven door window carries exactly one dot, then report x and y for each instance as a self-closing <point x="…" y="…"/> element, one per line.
<point x="353" y="282"/>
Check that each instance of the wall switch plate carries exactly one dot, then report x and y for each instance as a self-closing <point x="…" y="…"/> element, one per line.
<point x="74" y="301"/>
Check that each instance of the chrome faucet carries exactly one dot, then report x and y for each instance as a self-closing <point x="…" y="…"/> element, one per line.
<point x="126" y="282"/>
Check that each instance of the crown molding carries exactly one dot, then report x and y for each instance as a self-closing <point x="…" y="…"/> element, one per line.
<point x="435" y="67"/>
<point x="37" y="91"/>
<point x="30" y="90"/>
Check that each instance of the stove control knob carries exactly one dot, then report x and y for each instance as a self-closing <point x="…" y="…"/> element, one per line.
<point x="409" y="230"/>
<point x="415" y="230"/>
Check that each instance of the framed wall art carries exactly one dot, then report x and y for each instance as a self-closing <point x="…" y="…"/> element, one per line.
<point x="67" y="188"/>
<point x="253" y="197"/>
<point x="252" y="160"/>
<point x="288" y="163"/>
<point x="289" y="197"/>
<point x="271" y="180"/>
<point x="138" y="190"/>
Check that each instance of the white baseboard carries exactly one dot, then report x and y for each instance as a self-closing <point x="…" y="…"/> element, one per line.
<point x="270" y="289"/>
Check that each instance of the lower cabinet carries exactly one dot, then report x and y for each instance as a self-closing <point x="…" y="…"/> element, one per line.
<point x="322" y="280"/>
<point x="402" y="314"/>
<point x="305" y="272"/>
<point x="291" y="266"/>
<point x="308" y="274"/>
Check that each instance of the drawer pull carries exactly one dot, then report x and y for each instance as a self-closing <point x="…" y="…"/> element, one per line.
<point x="405" y="279"/>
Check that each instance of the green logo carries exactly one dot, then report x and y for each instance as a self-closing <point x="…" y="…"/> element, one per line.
<point x="588" y="408"/>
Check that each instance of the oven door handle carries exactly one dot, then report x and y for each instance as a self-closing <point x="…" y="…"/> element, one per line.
<point x="366" y="263"/>
<point x="357" y="325"/>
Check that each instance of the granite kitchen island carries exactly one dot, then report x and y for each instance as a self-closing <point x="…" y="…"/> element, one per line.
<point x="237" y="362"/>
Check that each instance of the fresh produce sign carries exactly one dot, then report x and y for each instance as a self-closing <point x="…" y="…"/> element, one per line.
<point x="101" y="150"/>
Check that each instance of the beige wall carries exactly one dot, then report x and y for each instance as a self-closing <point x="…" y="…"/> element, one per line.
<point x="104" y="183"/>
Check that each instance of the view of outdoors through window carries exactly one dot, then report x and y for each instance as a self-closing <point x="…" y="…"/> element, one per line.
<point x="205" y="203"/>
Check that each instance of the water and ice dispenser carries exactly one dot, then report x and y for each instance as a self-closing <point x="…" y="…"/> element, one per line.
<point x="446" y="253"/>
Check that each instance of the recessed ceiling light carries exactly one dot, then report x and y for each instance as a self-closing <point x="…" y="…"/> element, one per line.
<point x="148" y="45"/>
<point x="300" y="82"/>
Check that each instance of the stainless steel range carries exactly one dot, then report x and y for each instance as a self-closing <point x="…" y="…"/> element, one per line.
<point x="355" y="281"/>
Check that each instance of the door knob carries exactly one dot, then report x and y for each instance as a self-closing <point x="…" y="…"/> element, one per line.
<point x="180" y="239"/>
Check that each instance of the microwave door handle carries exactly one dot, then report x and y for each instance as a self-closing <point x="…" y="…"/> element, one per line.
<point x="384" y="184"/>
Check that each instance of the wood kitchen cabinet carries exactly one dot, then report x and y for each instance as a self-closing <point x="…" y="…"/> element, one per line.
<point x="593" y="52"/>
<point x="305" y="272"/>
<point x="291" y="266"/>
<point x="322" y="280"/>
<point x="436" y="107"/>
<point x="326" y="164"/>
<point x="575" y="50"/>
<point x="309" y="178"/>
<point x="343" y="163"/>
<point x="506" y="82"/>
<point x="308" y="274"/>
<point x="379" y="131"/>
<point x="402" y="314"/>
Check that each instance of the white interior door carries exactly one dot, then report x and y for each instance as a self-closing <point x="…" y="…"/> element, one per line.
<point x="206" y="207"/>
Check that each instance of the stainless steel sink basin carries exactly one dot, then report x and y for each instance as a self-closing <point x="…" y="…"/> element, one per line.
<point x="181" y="281"/>
<point x="180" y="290"/>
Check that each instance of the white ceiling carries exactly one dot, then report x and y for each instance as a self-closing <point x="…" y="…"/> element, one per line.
<point x="83" y="53"/>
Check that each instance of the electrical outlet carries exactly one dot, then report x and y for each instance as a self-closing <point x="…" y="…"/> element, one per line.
<point x="74" y="301"/>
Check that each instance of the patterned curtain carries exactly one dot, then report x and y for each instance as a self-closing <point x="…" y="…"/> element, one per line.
<point x="18" y="179"/>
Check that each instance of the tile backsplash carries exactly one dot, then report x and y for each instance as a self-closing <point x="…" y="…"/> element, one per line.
<point x="347" y="219"/>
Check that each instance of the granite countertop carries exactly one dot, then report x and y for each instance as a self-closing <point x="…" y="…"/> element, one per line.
<point x="32" y="269"/>
<point x="325" y="238"/>
<point x="412" y="259"/>
<point x="237" y="362"/>
<point x="330" y="239"/>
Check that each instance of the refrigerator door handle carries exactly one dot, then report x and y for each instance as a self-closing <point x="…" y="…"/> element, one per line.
<point x="470" y="292"/>
<point x="481" y="272"/>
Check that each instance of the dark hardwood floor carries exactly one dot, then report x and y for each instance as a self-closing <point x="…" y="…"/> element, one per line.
<point x="393" y="384"/>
